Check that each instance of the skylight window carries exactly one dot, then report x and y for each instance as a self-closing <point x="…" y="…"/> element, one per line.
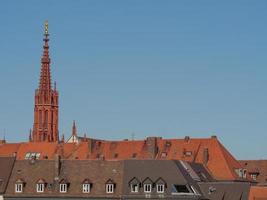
<point x="32" y="155"/>
<point x="182" y="189"/>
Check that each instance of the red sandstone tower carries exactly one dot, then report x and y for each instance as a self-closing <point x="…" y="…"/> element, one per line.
<point x="45" y="127"/>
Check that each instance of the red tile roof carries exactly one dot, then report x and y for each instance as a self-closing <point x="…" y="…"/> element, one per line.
<point x="258" y="193"/>
<point x="258" y="167"/>
<point x="221" y="163"/>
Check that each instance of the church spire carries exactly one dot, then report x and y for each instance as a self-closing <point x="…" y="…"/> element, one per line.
<point x="45" y="77"/>
<point x="45" y="126"/>
<point x="74" y="129"/>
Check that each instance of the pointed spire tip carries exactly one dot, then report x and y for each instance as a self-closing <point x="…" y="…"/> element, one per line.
<point x="46" y="27"/>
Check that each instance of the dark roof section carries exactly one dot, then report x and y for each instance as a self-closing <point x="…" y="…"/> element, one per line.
<point x="73" y="172"/>
<point x="164" y="170"/>
<point x="225" y="190"/>
<point x="6" y="165"/>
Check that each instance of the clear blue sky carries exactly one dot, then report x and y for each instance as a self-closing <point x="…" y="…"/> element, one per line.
<point x="163" y="68"/>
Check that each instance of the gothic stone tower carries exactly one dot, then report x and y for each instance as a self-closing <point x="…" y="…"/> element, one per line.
<point x="45" y="127"/>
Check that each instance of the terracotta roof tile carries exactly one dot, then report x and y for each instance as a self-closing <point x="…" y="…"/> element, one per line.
<point x="258" y="193"/>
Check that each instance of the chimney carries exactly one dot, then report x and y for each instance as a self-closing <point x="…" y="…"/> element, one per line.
<point x="57" y="166"/>
<point x="205" y="156"/>
<point x="186" y="138"/>
<point x="213" y="137"/>
<point x="152" y="148"/>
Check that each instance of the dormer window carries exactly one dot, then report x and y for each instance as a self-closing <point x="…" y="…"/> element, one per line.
<point x="19" y="186"/>
<point x="110" y="186"/>
<point x="147" y="188"/>
<point x="160" y="188"/>
<point x="134" y="188"/>
<point x="86" y="186"/>
<point x="147" y="183"/>
<point x="160" y="185"/>
<point x="40" y="185"/>
<point x="242" y="173"/>
<point x="63" y="186"/>
<point x="135" y="185"/>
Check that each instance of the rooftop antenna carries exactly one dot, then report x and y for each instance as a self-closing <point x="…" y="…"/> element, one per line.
<point x="4" y="138"/>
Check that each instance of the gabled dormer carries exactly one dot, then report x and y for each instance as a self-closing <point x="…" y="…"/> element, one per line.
<point x="86" y="186"/>
<point x="160" y="185"/>
<point x="135" y="185"/>
<point x="19" y="185"/>
<point x="110" y="186"/>
<point x="63" y="185"/>
<point x="147" y="185"/>
<point x="40" y="185"/>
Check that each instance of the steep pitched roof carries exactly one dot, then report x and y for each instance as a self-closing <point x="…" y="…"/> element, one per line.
<point x="152" y="171"/>
<point x="258" y="193"/>
<point x="9" y="149"/>
<point x="73" y="172"/>
<point x="208" y="151"/>
<point x="6" y="166"/>
<point x="225" y="190"/>
<point x="46" y="150"/>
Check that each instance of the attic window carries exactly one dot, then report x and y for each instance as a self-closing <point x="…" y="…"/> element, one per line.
<point x="109" y="188"/>
<point x="63" y="188"/>
<point x="86" y="187"/>
<point x="160" y="188"/>
<point x="40" y="187"/>
<point x="18" y="187"/>
<point x="134" y="184"/>
<point x="242" y="173"/>
<point x="180" y="189"/>
<point x="134" y="188"/>
<point x="147" y="188"/>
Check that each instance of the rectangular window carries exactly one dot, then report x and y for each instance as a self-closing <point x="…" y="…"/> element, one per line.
<point x="86" y="188"/>
<point x="134" y="188"/>
<point x="254" y="176"/>
<point x="63" y="188"/>
<point x="18" y="187"/>
<point x="40" y="187"/>
<point x="109" y="188"/>
<point x="160" y="188"/>
<point x="180" y="189"/>
<point x="147" y="188"/>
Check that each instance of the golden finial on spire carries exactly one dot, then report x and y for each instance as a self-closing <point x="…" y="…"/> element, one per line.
<point x="46" y="27"/>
